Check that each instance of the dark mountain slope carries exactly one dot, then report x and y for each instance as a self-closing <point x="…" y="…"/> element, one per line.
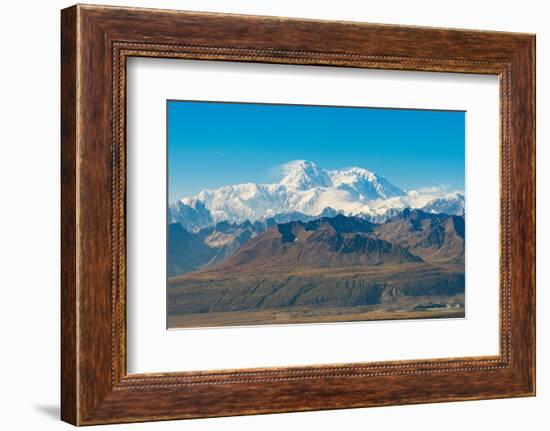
<point x="180" y="244"/>
<point x="188" y="251"/>
<point x="329" y="262"/>
<point x="328" y="242"/>
<point x="433" y="237"/>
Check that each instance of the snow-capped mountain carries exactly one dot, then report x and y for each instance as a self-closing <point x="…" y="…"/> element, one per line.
<point x="452" y="205"/>
<point x="191" y="214"/>
<point x="305" y="188"/>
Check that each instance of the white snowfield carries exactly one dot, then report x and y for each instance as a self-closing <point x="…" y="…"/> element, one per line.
<point x="309" y="189"/>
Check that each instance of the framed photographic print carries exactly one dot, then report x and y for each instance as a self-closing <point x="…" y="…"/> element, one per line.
<point x="300" y="243"/>
<point x="268" y="215"/>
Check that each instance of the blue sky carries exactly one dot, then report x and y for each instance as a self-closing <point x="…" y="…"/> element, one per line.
<point x="211" y="145"/>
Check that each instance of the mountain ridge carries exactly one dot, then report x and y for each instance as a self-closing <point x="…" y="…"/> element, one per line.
<point x="305" y="188"/>
<point x="413" y="262"/>
<point x="435" y="237"/>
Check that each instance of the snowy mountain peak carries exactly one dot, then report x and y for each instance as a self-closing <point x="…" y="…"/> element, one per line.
<point x="452" y="204"/>
<point x="193" y="202"/>
<point x="303" y="175"/>
<point x="367" y="184"/>
<point x="305" y="188"/>
<point x="355" y="172"/>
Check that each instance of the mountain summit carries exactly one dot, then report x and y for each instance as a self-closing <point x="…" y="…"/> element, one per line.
<point x="361" y="183"/>
<point x="305" y="188"/>
<point x="304" y="175"/>
<point x="451" y="204"/>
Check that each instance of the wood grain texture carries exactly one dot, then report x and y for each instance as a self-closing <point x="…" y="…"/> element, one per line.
<point x="96" y="41"/>
<point x="69" y="366"/>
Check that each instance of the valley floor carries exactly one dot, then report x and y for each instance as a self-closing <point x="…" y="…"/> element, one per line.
<point x="310" y="295"/>
<point x="301" y="315"/>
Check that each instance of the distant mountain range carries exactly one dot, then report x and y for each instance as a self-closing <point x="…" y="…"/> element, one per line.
<point x="452" y="204"/>
<point x="436" y="238"/>
<point x="326" y="242"/>
<point x="316" y="240"/>
<point x="294" y="241"/>
<point x="310" y="191"/>
<point x="335" y="261"/>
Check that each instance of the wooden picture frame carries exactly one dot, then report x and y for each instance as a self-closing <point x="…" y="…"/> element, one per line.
<point x="95" y="43"/>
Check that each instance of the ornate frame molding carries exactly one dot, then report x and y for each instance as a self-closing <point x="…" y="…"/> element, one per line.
<point x="96" y="41"/>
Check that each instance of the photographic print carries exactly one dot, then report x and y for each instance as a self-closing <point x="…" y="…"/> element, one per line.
<point x="287" y="214"/>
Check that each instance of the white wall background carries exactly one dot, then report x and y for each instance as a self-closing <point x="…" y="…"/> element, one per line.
<point x="29" y="217"/>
